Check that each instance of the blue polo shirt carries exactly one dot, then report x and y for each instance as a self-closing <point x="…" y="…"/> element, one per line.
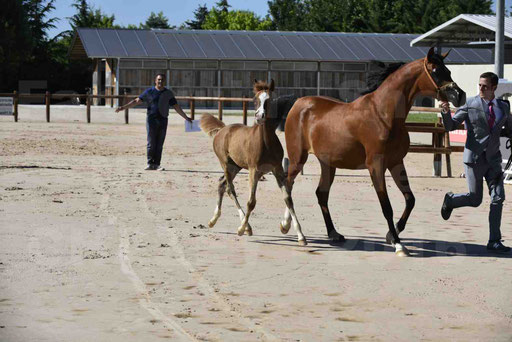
<point x="158" y="101"/>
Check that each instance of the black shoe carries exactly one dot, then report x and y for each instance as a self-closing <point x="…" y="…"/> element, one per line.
<point x="497" y="247"/>
<point x="446" y="211"/>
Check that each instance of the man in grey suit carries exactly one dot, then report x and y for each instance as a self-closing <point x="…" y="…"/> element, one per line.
<point x="484" y="116"/>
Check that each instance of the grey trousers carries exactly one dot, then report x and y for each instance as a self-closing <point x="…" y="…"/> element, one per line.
<point x="475" y="173"/>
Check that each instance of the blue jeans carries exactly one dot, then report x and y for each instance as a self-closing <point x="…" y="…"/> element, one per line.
<point x="156" y="127"/>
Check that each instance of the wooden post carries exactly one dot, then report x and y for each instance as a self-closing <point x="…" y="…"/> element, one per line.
<point x="244" y="111"/>
<point x="220" y="110"/>
<point x="47" y="100"/>
<point x="125" y="100"/>
<point x="88" y="111"/>
<point x="15" y="100"/>
<point x="192" y="103"/>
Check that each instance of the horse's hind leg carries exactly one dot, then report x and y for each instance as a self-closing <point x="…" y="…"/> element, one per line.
<point x="377" y="170"/>
<point x="254" y="177"/>
<point x="322" y="194"/>
<point x="400" y="177"/>
<point x="221" y="190"/>
<point x="230" y="172"/>
<point x="281" y="182"/>
<point x="296" y="165"/>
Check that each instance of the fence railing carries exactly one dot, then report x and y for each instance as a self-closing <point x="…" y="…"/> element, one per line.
<point x="440" y="140"/>
<point x="47" y="97"/>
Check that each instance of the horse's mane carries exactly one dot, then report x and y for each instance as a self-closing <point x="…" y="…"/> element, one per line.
<point x="376" y="78"/>
<point x="259" y="86"/>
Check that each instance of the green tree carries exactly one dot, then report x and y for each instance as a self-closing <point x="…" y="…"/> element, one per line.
<point x="235" y="20"/>
<point x="223" y="5"/>
<point x="200" y="15"/>
<point x="287" y="15"/>
<point x="87" y="16"/>
<point x="157" y="20"/>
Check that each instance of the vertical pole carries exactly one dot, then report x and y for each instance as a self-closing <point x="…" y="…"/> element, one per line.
<point x="244" y="111"/>
<point x="125" y="100"/>
<point x="88" y="111"/>
<point x="15" y="100"/>
<point x="448" y="158"/>
<point x="499" y="47"/>
<point x="192" y="109"/>
<point x="47" y="100"/>
<point x="220" y="110"/>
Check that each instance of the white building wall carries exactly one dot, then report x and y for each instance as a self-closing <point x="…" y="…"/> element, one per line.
<point x="466" y="76"/>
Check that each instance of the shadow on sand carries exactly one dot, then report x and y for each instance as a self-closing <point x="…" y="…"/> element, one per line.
<point x="420" y="248"/>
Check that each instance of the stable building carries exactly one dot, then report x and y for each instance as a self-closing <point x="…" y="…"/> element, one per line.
<point x="225" y="63"/>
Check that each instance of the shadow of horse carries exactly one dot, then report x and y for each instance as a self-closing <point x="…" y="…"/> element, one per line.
<point x="421" y="248"/>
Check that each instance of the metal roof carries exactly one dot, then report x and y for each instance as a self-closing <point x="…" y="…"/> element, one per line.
<point x="257" y="45"/>
<point x="474" y="30"/>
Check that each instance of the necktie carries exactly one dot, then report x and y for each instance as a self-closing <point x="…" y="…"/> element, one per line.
<point x="492" y="116"/>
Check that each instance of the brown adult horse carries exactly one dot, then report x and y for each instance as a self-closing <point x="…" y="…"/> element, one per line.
<point x="257" y="149"/>
<point x="367" y="133"/>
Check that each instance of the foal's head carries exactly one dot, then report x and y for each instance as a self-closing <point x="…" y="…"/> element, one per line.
<point x="262" y="94"/>
<point x="440" y="77"/>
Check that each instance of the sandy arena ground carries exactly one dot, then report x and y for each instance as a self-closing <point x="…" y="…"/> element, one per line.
<point x="93" y="248"/>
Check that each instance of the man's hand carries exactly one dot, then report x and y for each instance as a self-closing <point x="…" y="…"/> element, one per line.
<point x="118" y="109"/>
<point x="445" y="106"/>
<point x="189" y="119"/>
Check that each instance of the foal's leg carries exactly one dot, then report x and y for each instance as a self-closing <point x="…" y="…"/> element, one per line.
<point x="230" y="172"/>
<point x="322" y="194"/>
<point x="221" y="190"/>
<point x="377" y="170"/>
<point x="279" y="174"/>
<point x="254" y="177"/>
<point x="400" y="177"/>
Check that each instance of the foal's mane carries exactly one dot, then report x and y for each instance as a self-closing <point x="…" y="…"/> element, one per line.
<point x="259" y="86"/>
<point x="376" y="78"/>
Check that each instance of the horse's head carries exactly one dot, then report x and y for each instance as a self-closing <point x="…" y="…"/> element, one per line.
<point x="262" y="94"/>
<point x="441" y="79"/>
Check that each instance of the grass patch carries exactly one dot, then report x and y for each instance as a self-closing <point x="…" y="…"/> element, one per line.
<point x="422" y="117"/>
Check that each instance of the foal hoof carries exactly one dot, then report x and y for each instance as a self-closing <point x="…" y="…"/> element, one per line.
<point x="248" y="231"/>
<point x="303" y="242"/>
<point x="241" y="231"/>
<point x="401" y="251"/>
<point x="284" y="228"/>
<point x="334" y="236"/>
<point x="211" y="223"/>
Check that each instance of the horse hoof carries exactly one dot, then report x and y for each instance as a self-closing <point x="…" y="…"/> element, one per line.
<point x="401" y="251"/>
<point x="389" y="238"/>
<point x="248" y="231"/>
<point x="303" y="242"/>
<point x="241" y="231"/>
<point x="284" y="228"/>
<point x="211" y="223"/>
<point x="336" y="237"/>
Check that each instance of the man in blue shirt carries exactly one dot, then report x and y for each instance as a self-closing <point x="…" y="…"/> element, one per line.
<point x="158" y="100"/>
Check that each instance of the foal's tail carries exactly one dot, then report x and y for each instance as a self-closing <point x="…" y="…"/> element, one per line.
<point x="210" y="124"/>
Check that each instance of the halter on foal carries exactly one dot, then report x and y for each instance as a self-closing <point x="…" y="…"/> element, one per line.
<point x="256" y="149"/>
<point x="367" y="133"/>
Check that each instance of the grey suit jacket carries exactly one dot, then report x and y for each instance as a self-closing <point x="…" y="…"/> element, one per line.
<point x="479" y="137"/>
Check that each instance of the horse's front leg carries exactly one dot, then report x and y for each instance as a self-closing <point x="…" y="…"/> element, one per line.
<point x="254" y="177"/>
<point x="400" y="177"/>
<point x="377" y="171"/>
<point x="290" y="211"/>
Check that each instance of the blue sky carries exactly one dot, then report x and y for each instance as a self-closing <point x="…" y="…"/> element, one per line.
<point x="136" y="11"/>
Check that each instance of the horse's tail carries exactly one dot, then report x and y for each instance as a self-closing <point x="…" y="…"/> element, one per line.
<point x="210" y="124"/>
